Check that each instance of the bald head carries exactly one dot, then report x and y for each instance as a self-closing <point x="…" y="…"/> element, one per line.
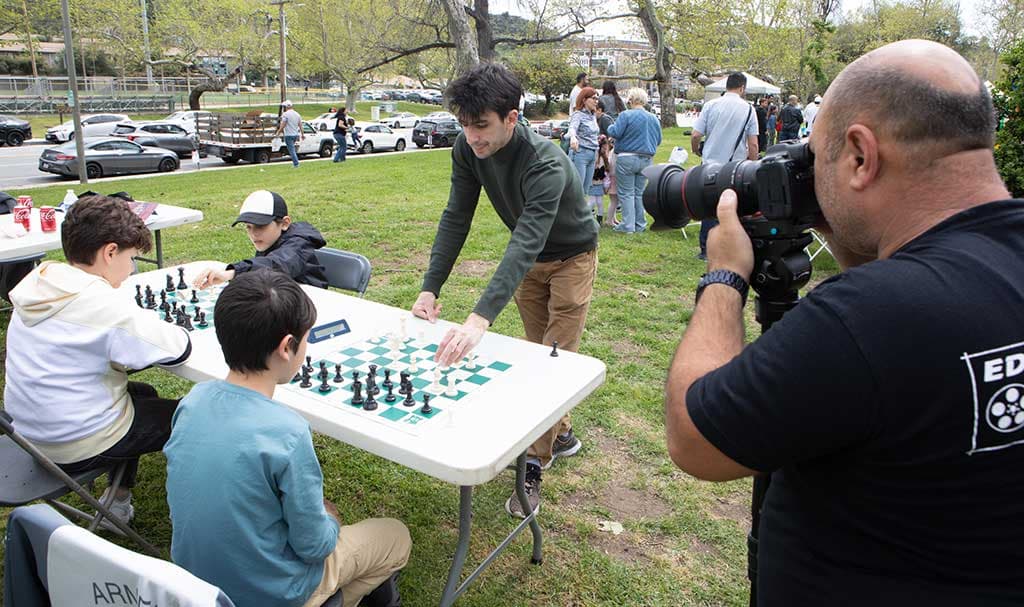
<point x="914" y="92"/>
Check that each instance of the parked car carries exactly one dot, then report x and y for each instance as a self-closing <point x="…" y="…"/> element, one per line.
<point x="159" y="134"/>
<point x="401" y="120"/>
<point x="434" y="98"/>
<point x="96" y="125"/>
<point x="439" y="116"/>
<point x="552" y="128"/>
<point x="14" y="131"/>
<point x="438" y="133"/>
<point x="105" y="156"/>
<point x="324" y="122"/>
<point x="187" y="119"/>
<point x="379" y="137"/>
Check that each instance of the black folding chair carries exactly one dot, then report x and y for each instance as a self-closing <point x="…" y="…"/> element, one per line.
<point x="345" y="270"/>
<point x="27" y="475"/>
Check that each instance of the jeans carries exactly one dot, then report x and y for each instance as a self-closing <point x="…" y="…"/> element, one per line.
<point x="149" y="431"/>
<point x="630" y="184"/>
<point x="339" y="154"/>
<point x="705" y="228"/>
<point x="289" y="142"/>
<point x="785" y="135"/>
<point x="584" y="161"/>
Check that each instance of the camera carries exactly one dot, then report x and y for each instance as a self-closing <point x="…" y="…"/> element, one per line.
<point x="779" y="186"/>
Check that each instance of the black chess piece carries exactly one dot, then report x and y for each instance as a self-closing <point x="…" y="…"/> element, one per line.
<point x="195" y="298"/>
<point x="298" y="376"/>
<point x="387" y="383"/>
<point x="138" y="300"/>
<point x="554" y="348"/>
<point x="170" y="283"/>
<point x="371" y="402"/>
<point x="309" y="364"/>
<point x="323" y="370"/>
<point x="371" y="383"/>
<point x="202" y="320"/>
<point x="426" y="409"/>
<point x="409" y="400"/>
<point x="151" y="301"/>
<point x="373" y="372"/>
<point x="187" y="322"/>
<point x="198" y="312"/>
<point x="174" y="307"/>
<point x="338" y="378"/>
<point x="163" y="300"/>
<point x="390" y="398"/>
<point x="180" y="318"/>
<point x="357" y="392"/>
<point x="404" y="386"/>
<point x="355" y="376"/>
<point x="167" y="315"/>
<point x="306" y="377"/>
<point x="324" y="386"/>
<point x="181" y="279"/>
<point x="138" y="290"/>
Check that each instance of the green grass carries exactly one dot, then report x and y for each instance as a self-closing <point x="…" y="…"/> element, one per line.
<point x="684" y="540"/>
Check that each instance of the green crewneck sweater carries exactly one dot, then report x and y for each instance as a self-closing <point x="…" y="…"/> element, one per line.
<point x="537" y="193"/>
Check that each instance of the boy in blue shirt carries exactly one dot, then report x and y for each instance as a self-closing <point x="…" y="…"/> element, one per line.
<point x="243" y="483"/>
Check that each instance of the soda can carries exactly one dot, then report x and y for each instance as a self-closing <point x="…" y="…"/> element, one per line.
<point x="48" y="219"/>
<point x="25" y="200"/>
<point x="23" y="215"/>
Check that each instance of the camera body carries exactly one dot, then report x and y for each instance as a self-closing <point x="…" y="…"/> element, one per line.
<point x="779" y="187"/>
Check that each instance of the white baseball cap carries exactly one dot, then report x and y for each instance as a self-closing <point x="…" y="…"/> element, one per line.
<point x="261" y="207"/>
<point x="817" y="99"/>
<point x="286" y="103"/>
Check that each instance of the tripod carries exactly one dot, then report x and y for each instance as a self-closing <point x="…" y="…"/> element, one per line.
<point x="781" y="268"/>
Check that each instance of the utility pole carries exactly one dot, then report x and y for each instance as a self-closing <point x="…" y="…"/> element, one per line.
<point x="283" y="32"/>
<point x="69" y="63"/>
<point x="145" y="45"/>
<point x="28" y="34"/>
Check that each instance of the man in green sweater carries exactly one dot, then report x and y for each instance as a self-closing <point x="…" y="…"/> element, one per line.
<point x="551" y="260"/>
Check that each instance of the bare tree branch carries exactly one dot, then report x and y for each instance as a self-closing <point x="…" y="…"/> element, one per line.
<point x="405" y="53"/>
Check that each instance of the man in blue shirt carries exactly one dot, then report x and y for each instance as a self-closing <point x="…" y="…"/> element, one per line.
<point x="243" y="483"/>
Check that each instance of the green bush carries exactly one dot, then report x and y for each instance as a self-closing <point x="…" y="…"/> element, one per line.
<point x="1009" y="100"/>
<point x="536" y="110"/>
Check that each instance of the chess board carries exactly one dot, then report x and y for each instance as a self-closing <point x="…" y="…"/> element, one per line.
<point x="206" y="299"/>
<point x="470" y="377"/>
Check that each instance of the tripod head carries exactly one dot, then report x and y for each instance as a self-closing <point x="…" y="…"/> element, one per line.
<point x="781" y="266"/>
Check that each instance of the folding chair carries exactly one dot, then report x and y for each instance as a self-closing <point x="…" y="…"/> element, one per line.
<point x="27" y="475"/>
<point x="50" y="561"/>
<point x="345" y="270"/>
<point x="817" y="245"/>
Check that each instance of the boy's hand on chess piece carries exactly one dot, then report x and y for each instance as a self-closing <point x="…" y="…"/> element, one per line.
<point x="426" y="306"/>
<point x="461" y="340"/>
<point x="210" y="277"/>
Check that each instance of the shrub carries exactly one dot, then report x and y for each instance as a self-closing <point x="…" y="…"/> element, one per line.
<point x="1009" y="100"/>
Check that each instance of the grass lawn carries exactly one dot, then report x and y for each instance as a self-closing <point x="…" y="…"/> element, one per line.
<point x="684" y="541"/>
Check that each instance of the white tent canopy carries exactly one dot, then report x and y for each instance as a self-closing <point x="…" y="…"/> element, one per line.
<point x="755" y="86"/>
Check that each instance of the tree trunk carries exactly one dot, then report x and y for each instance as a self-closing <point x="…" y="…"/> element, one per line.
<point x="484" y="32"/>
<point x="466" y="53"/>
<point x="351" y="95"/>
<point x="663" y="55"/>
<point x="212" y="83"/>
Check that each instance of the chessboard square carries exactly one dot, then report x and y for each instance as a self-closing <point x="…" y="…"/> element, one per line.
<point x="352" y="363"/>
<point x="430" y="347"/>
<point x="378" y="350"/>
<point x="393" y="413"/>
<point x="499" y="366"/>
<point x="419" y="383"/>
<point x="351" y="351"/>
<point x="433" y="411"/>
<point x="458" y="395"/>
<point x="478" y="379"/>
<point x="316" y="389"/>
<point x="381" y="361"/>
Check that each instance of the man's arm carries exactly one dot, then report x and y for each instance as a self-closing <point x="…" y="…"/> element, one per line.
<point x="752" y="147"/>
<point x="713" y="338"/>
<point x="695" y="137"/>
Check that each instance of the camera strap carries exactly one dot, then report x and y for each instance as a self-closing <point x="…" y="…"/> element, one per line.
<point x="743" y="129"/>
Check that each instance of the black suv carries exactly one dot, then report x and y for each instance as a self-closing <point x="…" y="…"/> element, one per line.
<point x="440" y="133"/>
<point x="14" y="131"/>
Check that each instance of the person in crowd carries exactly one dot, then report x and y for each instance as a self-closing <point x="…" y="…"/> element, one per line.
<point x="291" y="128"/>
<point x="771" y="127"/>
<point x="550" y="262"/>
<point x="584" y="132"/>
<point x="893" y="437"/>
<point x="761" y="109"/>
<point x="811" y="112"/>
<point x="637" y="135"/>
<point x="607" y="152"/>
<point x="582" y="81"/>
<point x="281" y="244"/>
<point x="791" y="118"/>
<point x="244" y="486"/>
<point x="613" y="105"/>
<point x="730" y="126"/>
<point x="340" y="134"/>
<point x="72" y="340"/>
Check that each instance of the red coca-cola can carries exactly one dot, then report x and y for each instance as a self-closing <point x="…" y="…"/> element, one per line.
<point x="25" y="200"/>
<point x="23" y="215"/>
<point x="48" y="219"/>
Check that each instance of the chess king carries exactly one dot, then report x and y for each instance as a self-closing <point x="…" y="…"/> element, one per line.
<point x="550" y="262"/>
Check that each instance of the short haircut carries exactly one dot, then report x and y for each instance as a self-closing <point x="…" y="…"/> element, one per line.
<point x="96" y="221"/>
<point x="735" y="81"/>
<point x="910" y="111"/>
<point x="636" y="96"/>
<point x="485" y="87"/>
<point x="254" y="312"/>
<point x="580" y="77"/>
<point x="585" y="93"/>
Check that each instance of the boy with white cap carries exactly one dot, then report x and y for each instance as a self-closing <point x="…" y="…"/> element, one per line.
<point x="282" y="245"/>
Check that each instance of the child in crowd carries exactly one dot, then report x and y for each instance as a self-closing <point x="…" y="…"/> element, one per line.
<point x="280" y="244"/>
<point x="71" y="340"/>
<point x="243" y="483"/>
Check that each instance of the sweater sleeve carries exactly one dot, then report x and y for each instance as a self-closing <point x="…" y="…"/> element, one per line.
<point x="455" y="220"/>
<point x="616" y="128"/>
<point x="543" y="185"/>
<point x="312" y="532"/>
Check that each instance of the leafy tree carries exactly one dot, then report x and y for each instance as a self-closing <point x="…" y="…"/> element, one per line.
<point x="1009" y="100"/>
<point x="543" y="69"/>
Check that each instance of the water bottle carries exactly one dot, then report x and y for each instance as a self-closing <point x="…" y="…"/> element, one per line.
<point x="69" y="199"/>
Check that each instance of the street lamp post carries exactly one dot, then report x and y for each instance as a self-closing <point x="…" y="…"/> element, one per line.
<point x="283" y="32"/>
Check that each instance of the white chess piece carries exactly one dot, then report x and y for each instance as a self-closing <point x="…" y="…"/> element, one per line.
<point x="450" y="389"/>
<point x="472" y="360"/>
<point x="402" y="332"/>
<point x="436" y="386"/>
<point x="414" y="360"/>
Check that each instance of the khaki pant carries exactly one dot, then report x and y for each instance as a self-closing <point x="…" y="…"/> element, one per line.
<point x="553" y="301"/>
<point x="366" y="555"/>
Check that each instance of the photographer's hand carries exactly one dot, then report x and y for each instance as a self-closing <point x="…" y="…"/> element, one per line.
<point x="729" y="246"/>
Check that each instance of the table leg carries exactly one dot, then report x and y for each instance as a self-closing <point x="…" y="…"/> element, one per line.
<point x="159" y="249"/>
<point x="453" y="589"/>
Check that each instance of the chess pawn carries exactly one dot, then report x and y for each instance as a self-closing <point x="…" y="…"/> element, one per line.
<point x="202" y="320"/>
<point x="338" y="377"/>
<point x="357" y="392"/>
<point x="426" y="409"/>
<point x="390" y="398"/>
<point x="436" y="386"/>
<point x="414" y="360"/>
<point x="450" y="389"/>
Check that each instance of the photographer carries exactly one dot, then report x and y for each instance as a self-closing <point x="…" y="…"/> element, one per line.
<point x="884" y="404"/>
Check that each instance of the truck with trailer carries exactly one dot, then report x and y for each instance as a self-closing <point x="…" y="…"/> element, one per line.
<point x="252" y="138"/>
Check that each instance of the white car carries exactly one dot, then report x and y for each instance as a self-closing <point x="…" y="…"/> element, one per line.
<point x="312" y="142"/>
<point x="380" y="137"/>
<point x="324" y="122"/>
<point x="96" y="125"/>
<point x="435" y="116"/>
<point x="401" y="120"/>
<point x="187" y="119"/>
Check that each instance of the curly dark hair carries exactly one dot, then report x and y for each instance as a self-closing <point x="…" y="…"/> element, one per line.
<point x="486" y="87"/>
<point x="96" y="221"/>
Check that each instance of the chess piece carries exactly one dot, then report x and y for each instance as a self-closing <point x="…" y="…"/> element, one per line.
<point x="435" y="387"/>
<point x="554" y="348"/>
<point x="323" y="370"/>
<point x="357" y="392"/>
<point x="390" y="398"/>
<point x="202" y="320"/>
<point x="404" y="386"/>
<point x="163" y="300"/>
<point x="402" y="334"/>
<point x="198" y="312"/>
<point x="338" y="378"/>
<point x="298" y="377"/>
<point x="414" y="360"/>
<point x="426" y="409"/>
<point x="409" y="400"/>
<point x="387" y="383"/>
<point x="306" y="377"/>
<point x="324" y="386"/>
<point x="195" y="298"/>
<point x="450" y="390"/>
<point x="138" y="300"/>
<point x="355" y="376"/>
<point x="182" y="285"/>
<point x="308" y="367"/>
<point x="371" y="402"/>
<point x="167" y="315"/>
<point x="169" y="283"/>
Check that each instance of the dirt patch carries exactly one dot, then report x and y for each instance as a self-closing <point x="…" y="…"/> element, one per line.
<point x="475" y="268"/>
<point x="733" y="509"/>
<point x="625" y="547"/>
<point x="629" y="351"/>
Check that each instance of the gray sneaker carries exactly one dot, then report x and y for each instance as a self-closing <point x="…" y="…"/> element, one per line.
<point x="565" y="446"/>
<point x="513" y="506"/>
<point x="122" y="510"/>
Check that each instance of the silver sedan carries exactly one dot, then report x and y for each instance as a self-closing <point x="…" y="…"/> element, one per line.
<point x="105" y="156"/>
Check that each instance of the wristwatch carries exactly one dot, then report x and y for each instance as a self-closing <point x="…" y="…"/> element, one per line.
<point x="725" y="277"/>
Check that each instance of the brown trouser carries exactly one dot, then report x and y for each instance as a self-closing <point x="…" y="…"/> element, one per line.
<point x="553" y="300"/>
<point x="367" y="553"/>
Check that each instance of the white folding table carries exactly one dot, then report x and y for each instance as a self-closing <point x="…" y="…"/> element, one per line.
<point x="37" y="241"/>
<point x="470" y="447"/>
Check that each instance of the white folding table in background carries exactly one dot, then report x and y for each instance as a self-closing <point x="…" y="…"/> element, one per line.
<point x="469" y="447"/>
<point x="37" y="241"/>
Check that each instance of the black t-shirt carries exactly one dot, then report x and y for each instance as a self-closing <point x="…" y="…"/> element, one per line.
<point x="791" y="117"/>
<point x="890" y="405"/>
<point x="762" y="119"/>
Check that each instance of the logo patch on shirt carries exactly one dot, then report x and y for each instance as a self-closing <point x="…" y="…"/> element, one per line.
<point x="997" y="379"/>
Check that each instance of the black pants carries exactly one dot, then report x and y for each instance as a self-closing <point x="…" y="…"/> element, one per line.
<point x="149" y="432"/>
<point x="11" y="274"/>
